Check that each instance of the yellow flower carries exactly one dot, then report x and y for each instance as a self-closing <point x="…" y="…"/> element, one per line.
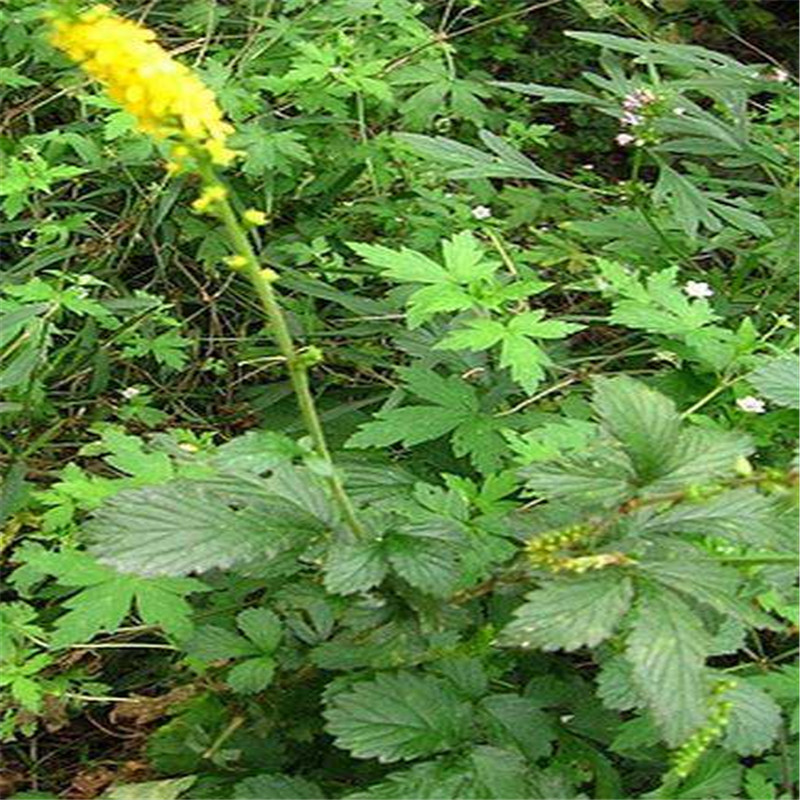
<point x="255" y="217"/>
<point x="236" y="262"/>
<point x="166" y="98"/>
<point x="210" y="195"/>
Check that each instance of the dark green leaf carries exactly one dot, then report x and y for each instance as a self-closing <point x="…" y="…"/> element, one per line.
<point x="252" y="675"/>
<point x="184" y="526"/>
<point x="398" y="717"/>
<point x="356" y="567"/>
<point x="276" y="787"/>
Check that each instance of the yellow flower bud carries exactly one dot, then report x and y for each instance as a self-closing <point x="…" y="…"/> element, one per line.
<point x="210" y="195"/>
<point x="236" y="262"/>
<point x="255" y="217"/>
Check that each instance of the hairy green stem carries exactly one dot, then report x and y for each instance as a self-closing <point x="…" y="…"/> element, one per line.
<point x="297" y="365"/>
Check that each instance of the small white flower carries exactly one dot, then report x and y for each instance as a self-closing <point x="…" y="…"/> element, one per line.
<point x="130" y="392"/>
<point x="679" y="111"/>
<point x="752" y="405"/>
<point x="589" y="167"/>
<point x="779" y="75"/>
<point x="481" y="212"/>
<point x="698" y="289"/>
<point x="624" y="139"/>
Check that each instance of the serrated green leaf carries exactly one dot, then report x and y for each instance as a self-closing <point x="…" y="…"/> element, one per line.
<point x="256" y="451"/>
<point x="716" y="775"/>
<point x="515" y="722"/>
<point x="398" y="717"/>
<point x="401" y="265"/>
<point x="169" y="789"/>
<point x="276" y="787"/>
<point x="644" y="422"/>
<point x="212" y="643"/>
<point x="479" y="437"/>
<point x="686" y="570"/>
<point x="28" y="693"/>
<point x="487" y="773"/>
<point x="779" y="381"/>
<point x="476" y="335"/>
<point x="701" y="455"/>
<point x="599" y="475"/>
<point x="667" y="649"/>
<point x="427" y="564"/>
<point x="531" y="323"/>
<point x="754" y="721"/>
<point x="187" y="526"/>
<point x="356" y="567"/>
<point x="252" y="675"/>
<point x="432" y="300"/>
<point x="525" y="359"/>
<point x="569" y="614"/>
<point x="615" y="685"/>
<point x="410" y="425"/>
<point x="262" y="627"/>
<point x="743" y="515"/>
<point x="452" y="392"/>
<point x="106" y="596"/>
<point x="465" y="260"/>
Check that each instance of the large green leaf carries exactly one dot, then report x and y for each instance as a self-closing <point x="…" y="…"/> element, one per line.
<point x="187" y="526"/>
<point x="779" y="381"/>
<point x="754" y="722"/>
<point x="716" y="775"/>
<point x="276" y="787"/>
<point x="572" y="613"/>
<point x="645" y="422"/>
<point x="515" y="722"/>
<point x="354" y="567"/>
<point x="426" y="563"/>
<point x="686" y="570"/>
<point x="598" y="475"/>
<point x="743" y="515"/>
<point x="105" y="596"/>
<point x="487" y="773"/>
<point x="667" y="648"/>
<point x="398" y="717"/>
<point x="252" y="675"/>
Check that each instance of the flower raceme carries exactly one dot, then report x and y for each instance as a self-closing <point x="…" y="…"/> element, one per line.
<point x="166" y="98"/>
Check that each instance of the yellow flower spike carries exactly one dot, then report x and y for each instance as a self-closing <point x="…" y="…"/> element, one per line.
<point x="269" y="274"/>
<point x="255" y="217"/>
<point x="165" y="96"/>
<point x="209" y="196"/>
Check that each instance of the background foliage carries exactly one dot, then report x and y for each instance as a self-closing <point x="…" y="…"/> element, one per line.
<point x="548" y="252"/>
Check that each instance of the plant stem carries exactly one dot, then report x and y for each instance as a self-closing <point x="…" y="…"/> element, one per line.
<point x="297" y="365"/>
